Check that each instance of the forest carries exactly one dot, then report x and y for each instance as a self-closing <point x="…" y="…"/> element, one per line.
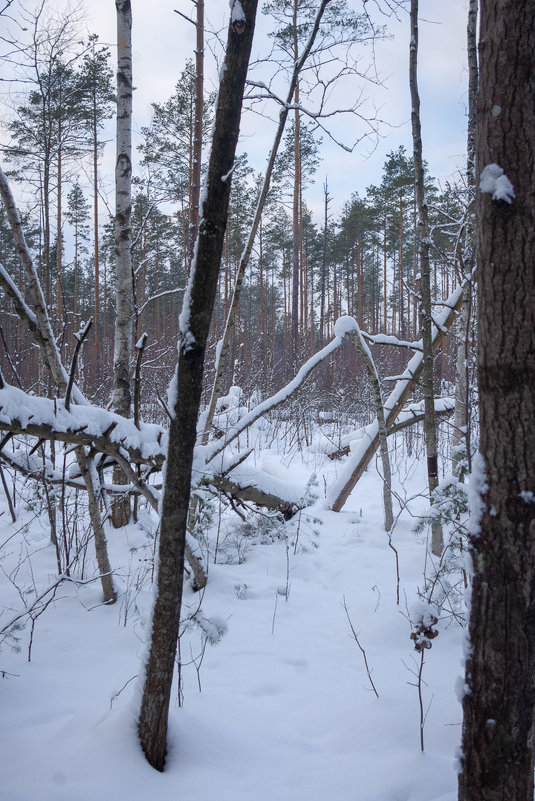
<point x="267" y="459"/>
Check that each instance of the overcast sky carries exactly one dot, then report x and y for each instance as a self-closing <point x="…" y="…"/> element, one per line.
<point x="163" y="41"/>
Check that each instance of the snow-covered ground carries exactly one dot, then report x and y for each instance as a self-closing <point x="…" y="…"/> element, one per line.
<point x="281" y="708"/>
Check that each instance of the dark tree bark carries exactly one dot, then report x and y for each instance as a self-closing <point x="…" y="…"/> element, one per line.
<point x="499" y="705"/>
<point x="430" y="424"/>
<point x="194" y="323"/>
<point x="197" y="129"/>
<point x="461" y="426"/>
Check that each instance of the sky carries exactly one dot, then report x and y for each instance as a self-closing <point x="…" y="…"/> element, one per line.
<point x="163" y="41"/>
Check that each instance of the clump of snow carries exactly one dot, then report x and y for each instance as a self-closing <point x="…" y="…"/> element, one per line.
<point x="344" y="325"/>
<point x="493" y="181"/>
<point x="237" y="13"/>
<point x="528" y="496"/>
<point x="15" y="404"/>
<point x="476" y="489"/>
<point x="188" y="341"/>
<point x="461" y="688"/>
<point x="424" y="612"/>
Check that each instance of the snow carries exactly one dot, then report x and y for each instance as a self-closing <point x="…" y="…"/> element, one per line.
<point x="345" y="325"/>
<point x="281" y="482"/>
<point x="493" y="181"/>
<point x="237" y="13"/>
<point x="15" y="404"/>
<point x="477" y="488"/>
<point x="279" y="397"/>
<point x="283" y="708"/>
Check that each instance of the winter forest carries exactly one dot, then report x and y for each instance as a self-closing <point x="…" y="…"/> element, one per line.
<point x="267" y="455"/>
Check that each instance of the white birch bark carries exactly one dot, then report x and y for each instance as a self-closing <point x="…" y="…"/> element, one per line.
<point x="123" y="344"/>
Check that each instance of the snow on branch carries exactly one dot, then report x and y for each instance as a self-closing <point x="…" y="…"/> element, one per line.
<point x="214" y="449"/>
<point x="21" y="413"/>
<point x="387" y="339"/>
<point x="160" y="295"/>
<point x="364" y="449"/>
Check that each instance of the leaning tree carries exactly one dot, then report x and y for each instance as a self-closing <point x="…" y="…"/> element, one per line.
<point x="187" y="386"/>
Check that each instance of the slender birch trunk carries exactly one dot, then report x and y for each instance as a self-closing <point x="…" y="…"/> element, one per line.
<point x="123" y="346"/>
<point x="244" y="260"/>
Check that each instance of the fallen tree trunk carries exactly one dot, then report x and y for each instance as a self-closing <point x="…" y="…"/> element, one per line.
<point x="104" y="441"/>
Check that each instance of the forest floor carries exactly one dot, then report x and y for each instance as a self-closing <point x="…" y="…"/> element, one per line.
<point x="280" y="708"/>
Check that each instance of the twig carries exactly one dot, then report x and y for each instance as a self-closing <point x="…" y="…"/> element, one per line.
<point x="355" y="637"/>
<point x="117" y="693"/>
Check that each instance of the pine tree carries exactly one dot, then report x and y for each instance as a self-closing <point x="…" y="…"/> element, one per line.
<point x="77" y="215"/>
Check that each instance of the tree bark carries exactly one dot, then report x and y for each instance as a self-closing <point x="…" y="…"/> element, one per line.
<point x="123" y="347"/>
<point x="430" y="425"/>
<point x="499" y="704"/>
<point x="461" y="436"/>
<point x="194" y="324"/>
<point x="197" y="128"/>
<point x="96" y="270"/>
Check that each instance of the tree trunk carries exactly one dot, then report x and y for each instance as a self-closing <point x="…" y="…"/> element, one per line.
<point x="123" y="346"/>
<point x="326" y="200"/>
<point x="194" y="324"/>
<point x="59" y="245"/>
<point x="461" y="438"/>
<point x="197" y="128"/>
<point x="404" y="387"/>
<point x="96" y="302"/>
<point x="296" y="228"/>
<point x="499" y="704"/>
<point x="430" y="425"/>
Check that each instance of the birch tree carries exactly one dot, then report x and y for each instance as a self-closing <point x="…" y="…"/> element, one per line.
<point x="122" y="396"/>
